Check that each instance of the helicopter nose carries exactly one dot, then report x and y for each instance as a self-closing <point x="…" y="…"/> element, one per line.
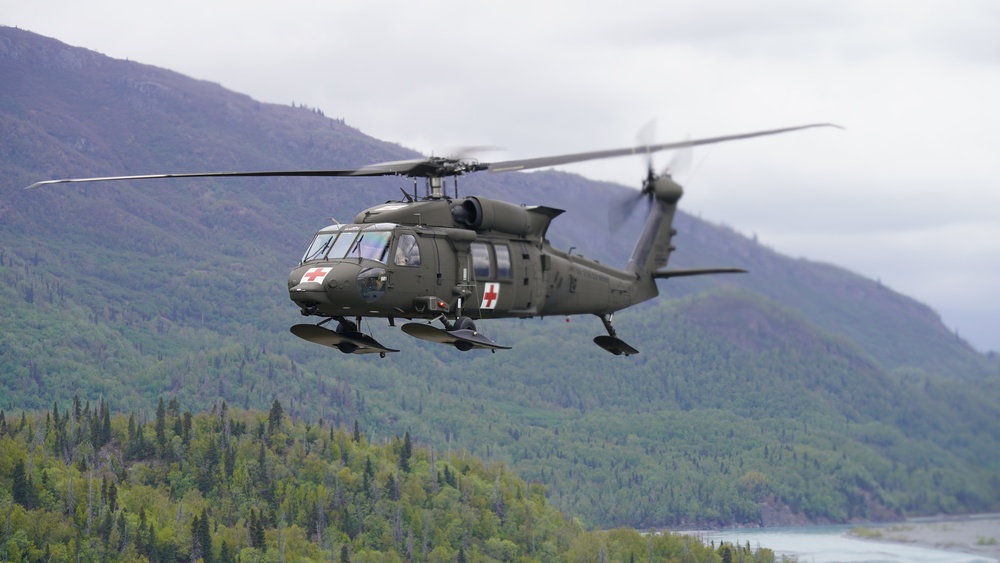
<point x="338" y="288"/>
<point x="322" y="285"/>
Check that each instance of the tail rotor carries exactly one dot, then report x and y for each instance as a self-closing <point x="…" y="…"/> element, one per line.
<point x="622" y="210"/>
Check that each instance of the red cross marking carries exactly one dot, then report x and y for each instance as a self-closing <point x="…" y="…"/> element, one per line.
<point x="315" y="274"/>
<point x="491" y="295"/>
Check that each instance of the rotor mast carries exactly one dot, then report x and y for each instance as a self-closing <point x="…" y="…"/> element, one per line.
<point x="437" y="187"/>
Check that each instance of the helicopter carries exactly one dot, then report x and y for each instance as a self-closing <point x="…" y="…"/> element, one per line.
<point x="449" y="259"/>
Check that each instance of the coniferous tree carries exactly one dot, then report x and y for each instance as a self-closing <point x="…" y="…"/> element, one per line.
<point x="186" y="429"/>
<point x="178" y="427"/>
<point x="229" y="461"/>
<point x="112" y="497"/>
<point x="367" y="478"/>
<point x="406" y="454"/>
<point x="105" y="423"/>
<point x="196" y="547"/>
<point x="209" y="468"/>
<point x="205" y="538"/>
<point x="19" y="487"/>
<point x="151" y="550"/>
<point x="391" y="489"/>
<point x="251" y="528"/>
<point x="275" y="417"/>
<point x="226" y="554"/>
<point x="257" y="538"/>
<point x="161" y="425"/>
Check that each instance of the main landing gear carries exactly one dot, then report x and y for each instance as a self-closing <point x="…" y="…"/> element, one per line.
<point x="346" y="338"/>
<point x="611" y="342"/>
<point x="461" y="334"/>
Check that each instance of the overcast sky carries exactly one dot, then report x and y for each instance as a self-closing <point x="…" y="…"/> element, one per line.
<point x="906" y="194"/>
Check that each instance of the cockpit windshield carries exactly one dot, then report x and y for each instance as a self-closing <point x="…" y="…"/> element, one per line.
<point x="372" y="245"/>
<point x="320" y="246"/>
<point x="350" y="241"/>
<point x="344" y="242"/>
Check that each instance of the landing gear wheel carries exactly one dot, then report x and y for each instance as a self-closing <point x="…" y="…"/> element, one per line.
<point x="464" y="323"/>
<point x="345" y="326"/>
<point x="347" y="347"/>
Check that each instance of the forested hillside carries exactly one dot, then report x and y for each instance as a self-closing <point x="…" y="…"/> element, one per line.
<point x="798" y="392"/>
<point x="81" y="484"/>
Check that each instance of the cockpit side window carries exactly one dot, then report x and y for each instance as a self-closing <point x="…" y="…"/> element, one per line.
<point x="481" y="260"/>
<point x="319" y="247"/>
<point x="407" y="251"/>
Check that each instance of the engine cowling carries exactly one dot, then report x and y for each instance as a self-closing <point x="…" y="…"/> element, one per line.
<point x="487" y="214"/>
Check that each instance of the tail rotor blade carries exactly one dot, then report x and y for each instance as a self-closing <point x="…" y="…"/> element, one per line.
<point x="621" y="209"/>
<point x="681" y="161"/>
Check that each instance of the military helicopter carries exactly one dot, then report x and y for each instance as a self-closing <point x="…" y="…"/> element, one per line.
<point x="448" y="259"/>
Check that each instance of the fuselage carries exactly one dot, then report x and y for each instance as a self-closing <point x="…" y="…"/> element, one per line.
<point x="473" y="256"/>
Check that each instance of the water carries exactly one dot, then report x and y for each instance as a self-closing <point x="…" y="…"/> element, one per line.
<point x="829" y="544"/>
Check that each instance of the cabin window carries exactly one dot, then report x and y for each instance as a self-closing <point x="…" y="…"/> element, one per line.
<point x="319" y="247"/>
<point x="502" y="254"/>
<point x="407" y="251"/>
<point x="480" y="260"/>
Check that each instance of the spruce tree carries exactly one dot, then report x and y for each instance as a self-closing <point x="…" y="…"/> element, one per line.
<point x="406" y="454"/>
<point x="257" y="538"/>
<point x="105" y="424"/>
<point x="205" y="538"/>
<point x="161" y="425"/>
<point x="226" y="554"/>
<point x="274" y="417"/>
<point x="19" y="488"/>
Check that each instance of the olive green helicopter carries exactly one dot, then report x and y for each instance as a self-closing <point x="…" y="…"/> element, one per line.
<point x="438" y="258"/>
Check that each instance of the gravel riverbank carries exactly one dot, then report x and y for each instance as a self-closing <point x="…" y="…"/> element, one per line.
<point x="978" y="534"/>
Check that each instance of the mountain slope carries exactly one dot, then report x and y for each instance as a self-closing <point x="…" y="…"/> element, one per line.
<point x="133" y="290"/>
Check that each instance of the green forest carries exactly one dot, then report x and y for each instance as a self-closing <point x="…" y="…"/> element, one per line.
<point x="717" y="424"/>
<point x="80" y="483"/>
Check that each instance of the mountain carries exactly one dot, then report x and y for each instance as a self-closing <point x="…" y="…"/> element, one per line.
<point x="798" y="391"/>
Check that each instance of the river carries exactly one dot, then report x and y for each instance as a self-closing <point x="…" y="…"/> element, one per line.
<point x="944" y="541"/>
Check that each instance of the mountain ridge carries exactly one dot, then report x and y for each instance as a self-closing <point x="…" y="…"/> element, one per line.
<point x="136" y="289"/>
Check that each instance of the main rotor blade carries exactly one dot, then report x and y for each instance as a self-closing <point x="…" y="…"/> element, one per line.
<point x="436" y="167"/>
<point x="528" y="163"/>
<point x="383" y="169"/>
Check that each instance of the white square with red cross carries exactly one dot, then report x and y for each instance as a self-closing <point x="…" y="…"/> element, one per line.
<point x="490" y="296"/>
<point x="315" y="275"/>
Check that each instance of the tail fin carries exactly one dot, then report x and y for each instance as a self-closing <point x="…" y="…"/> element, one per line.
<point x="652" y="250"/>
